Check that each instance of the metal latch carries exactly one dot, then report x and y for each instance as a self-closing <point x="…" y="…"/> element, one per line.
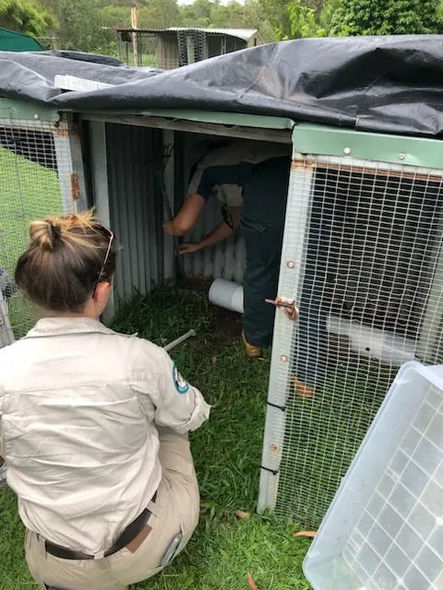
<point x="288" y="305"/>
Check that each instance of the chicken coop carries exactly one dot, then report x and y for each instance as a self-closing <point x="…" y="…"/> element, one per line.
<point x="362" y="251"/>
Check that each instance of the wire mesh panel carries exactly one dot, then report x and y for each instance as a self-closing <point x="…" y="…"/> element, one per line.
<point x="192" y="46"/>
<point x="139" y="48"/>
<point x="35" y="177"/>
<point x="164" y="49"/>
<point x="362" y="257"/>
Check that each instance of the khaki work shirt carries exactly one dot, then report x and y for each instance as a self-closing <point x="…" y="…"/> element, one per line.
<point x="78" y="408"/>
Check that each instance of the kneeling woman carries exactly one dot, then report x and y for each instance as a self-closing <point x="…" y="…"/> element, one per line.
<point x="93" y="424"/>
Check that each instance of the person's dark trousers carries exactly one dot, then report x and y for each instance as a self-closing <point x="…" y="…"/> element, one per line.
<point x="311" y="340"/>
<point x="263" y="252"/>
<point x="311" y="345"/>
<point x="263" y="214"/>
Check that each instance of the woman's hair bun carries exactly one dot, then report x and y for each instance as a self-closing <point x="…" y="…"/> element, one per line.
<point x="47" y="232"/>
<point x="68" y="256"/>
<point x="44" y="233"/>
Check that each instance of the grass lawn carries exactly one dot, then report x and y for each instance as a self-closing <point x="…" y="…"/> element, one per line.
<point x="227" y="454"/>
<point x="28" y="191"/>
<point x="227" y="450"/>
<point x="321" y="437"/>
<point x="324" y="433"/>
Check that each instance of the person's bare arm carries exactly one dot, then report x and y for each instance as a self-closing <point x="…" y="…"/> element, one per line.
<point x="187" y="217"/>
<point x="219" y="233"/>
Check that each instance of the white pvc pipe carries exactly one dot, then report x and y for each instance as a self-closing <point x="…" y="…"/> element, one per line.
<point x="227" y="294"/>
<point x="179" y="340"/>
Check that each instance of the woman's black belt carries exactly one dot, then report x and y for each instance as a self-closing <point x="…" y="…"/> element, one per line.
<point x="128" y="535"/>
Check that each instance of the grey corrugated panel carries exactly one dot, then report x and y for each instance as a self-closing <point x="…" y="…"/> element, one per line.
<point x="225" y="260"/>
<point x="6" y="333"/>
<point x="136" y="209"/>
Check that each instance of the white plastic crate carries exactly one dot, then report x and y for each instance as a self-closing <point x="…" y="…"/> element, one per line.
<point x="384" y="529"/>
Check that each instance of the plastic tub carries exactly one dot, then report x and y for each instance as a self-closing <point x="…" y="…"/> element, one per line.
<point x="384" y="529"/>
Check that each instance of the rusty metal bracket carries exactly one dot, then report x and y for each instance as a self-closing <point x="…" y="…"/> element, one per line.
<point x="287" y="305"/>
<point x="75" y="187"/>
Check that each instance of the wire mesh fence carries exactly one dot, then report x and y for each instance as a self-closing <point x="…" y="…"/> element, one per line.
<point x="363" y="257"/>
<point x="172" y="48"/>
<point x="34" y="156"/>
<point x="192" y="46"/>
<point x="140" y="48"/>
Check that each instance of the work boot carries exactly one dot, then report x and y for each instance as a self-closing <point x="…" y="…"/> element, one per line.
<point x="302" y="389"/>
<point x="252" y="351"/>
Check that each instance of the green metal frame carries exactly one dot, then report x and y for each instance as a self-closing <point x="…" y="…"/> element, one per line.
<point x="12" y="109"/>
<point x="222" y="118"/>
<point x="307" y="138"/>
<point x="199" y="116"/>
<point x="394" y="149"/>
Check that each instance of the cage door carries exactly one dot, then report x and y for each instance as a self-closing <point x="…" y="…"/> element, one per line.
<point x="362" y="258"/>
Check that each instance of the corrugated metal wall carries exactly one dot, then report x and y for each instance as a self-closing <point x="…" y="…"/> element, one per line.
<point x="136" y="207"/>
<point x="226" y="259"/>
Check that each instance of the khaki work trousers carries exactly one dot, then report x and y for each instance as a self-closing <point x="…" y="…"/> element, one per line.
<point x="175" y="510"/>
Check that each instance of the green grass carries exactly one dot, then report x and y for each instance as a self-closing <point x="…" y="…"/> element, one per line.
<point x="227" y="454"/>
<point x="28" y="191"/>
<point x="324" y="433"/>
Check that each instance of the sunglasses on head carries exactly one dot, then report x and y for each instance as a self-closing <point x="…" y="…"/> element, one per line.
<point x="110" y="235"/>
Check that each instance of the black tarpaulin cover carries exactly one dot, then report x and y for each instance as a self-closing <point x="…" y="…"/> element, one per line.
<point x="386" y="84"/>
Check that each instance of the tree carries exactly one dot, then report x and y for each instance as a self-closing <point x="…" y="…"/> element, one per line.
<point x="79" y="27"/>
<point x="197" y="14"/>
<point x="248" y="15"/>
<point x="303" y="20"/>
<point x="277" y="14"/>
<point x="110" y="17"/>
<point x="385" y="17"/>
<point x="25" y="16"/>
<point x="115" y="16"/>
<point x="158" y="14"/>
<point x="313" y="19"/>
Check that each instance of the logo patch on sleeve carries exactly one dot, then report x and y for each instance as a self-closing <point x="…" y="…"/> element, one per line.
<point x="179" y="383"/>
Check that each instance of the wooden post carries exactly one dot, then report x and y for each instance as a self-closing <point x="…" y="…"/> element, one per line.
<point x="134" y="34"/>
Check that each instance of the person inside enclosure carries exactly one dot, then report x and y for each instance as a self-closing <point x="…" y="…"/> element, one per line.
<point x="222" y="173"/>
<point x="205" y="183"/>
<point x="93" y="424"/>
<point x="253" y="178"/>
